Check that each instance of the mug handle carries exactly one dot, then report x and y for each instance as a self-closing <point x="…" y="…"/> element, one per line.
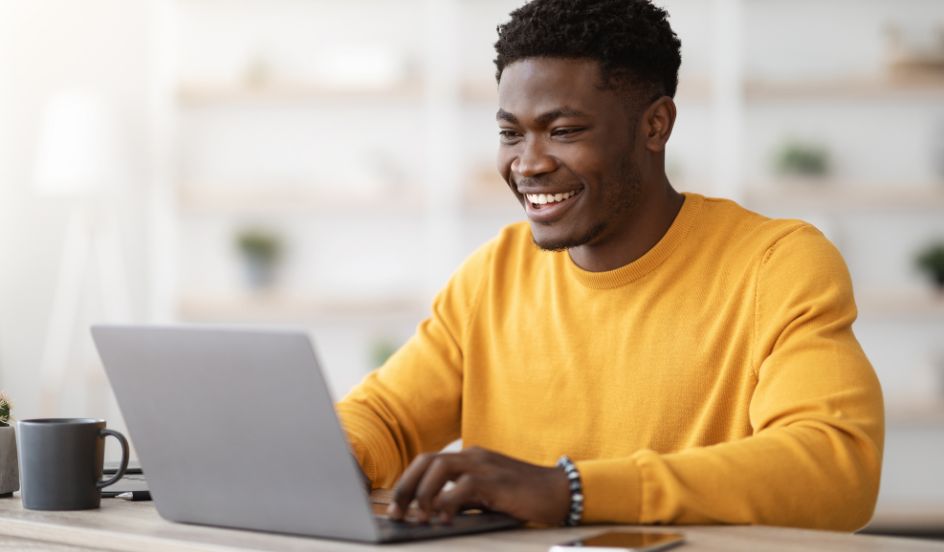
<point x="124" y="457"/>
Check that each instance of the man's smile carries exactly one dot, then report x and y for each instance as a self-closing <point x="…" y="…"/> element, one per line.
<point x="549" y="207"/>
<point x="549" y="199"/>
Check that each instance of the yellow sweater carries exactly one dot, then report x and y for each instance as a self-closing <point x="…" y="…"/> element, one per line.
<point x="714" y="380"/>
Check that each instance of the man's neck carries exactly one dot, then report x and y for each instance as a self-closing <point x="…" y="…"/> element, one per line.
<point x="650" y="221"/>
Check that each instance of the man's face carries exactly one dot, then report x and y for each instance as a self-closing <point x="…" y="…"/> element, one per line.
<point x="567" y="151"/>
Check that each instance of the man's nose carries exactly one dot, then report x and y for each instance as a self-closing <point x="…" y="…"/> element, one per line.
<point x="533" y="160"/>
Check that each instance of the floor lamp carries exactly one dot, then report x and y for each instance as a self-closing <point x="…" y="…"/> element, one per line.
<point x="79" y="162"/>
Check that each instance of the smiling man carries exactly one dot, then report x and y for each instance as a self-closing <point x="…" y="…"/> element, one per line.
<point x="630" y="354"/>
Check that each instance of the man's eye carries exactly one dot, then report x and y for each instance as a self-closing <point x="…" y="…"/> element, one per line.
<point x="508" y="135"/>
<point x="565" y="131"/>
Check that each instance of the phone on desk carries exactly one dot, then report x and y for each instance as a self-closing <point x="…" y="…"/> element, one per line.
<point x="622" y="541"/>
<point x="132" y="486"/>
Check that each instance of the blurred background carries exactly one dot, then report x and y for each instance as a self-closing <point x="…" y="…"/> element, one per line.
<point x="328" y="163"/>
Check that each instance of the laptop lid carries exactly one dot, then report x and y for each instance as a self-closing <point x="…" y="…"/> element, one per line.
<point x="236" y="427"/>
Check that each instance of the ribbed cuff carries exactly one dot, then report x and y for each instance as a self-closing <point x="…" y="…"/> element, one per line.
<point x="612" y="490"/>
<point x="372" y="450"/>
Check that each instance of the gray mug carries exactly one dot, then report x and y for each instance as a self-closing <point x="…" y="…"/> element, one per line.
<point x="61" y="462"/>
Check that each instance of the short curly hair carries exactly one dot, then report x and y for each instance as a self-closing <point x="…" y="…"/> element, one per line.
<point x="631" y="39"/>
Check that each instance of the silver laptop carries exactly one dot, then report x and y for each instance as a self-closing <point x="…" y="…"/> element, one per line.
<point x="235" y="427"/>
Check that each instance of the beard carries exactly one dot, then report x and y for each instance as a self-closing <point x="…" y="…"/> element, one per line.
<point x="565" y="244"/>
<point x="622" y="200"/>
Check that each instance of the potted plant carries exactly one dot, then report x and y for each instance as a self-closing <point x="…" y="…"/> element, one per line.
<point x="931" y="261"/>
<point x="804" y="160"/>
<point x="261" y="250"/>
<point x="9" y="467"/>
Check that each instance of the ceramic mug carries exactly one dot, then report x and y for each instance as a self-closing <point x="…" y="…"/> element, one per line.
<point x="61" y="462"/>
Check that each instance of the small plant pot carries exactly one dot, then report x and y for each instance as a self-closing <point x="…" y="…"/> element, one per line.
<point x="9" y="466"/>
<point x="260" y="273"/>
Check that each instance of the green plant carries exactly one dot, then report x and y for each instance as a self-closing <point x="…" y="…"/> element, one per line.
<point x="259" y="244"/>
<point x="381" y="350"/>
<point x="803" y="159"/>
<point x="931" y="260"/>
<point x="5" y="408"/>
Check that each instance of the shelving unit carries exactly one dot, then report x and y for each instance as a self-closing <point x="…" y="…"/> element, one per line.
<point x="440" y="90"/>
<point x="444" y="200"/>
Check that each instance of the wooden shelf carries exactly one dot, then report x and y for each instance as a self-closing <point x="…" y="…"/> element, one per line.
<point x="198" y="94"/>
<point x="920" y="86"/>
<point x="838" y="196"/>
<point x="485" y="92"/>
<point x="272" y="305"/>
<point x="915" y="414"/>
<point x="896" y="305"/>
<point x="292" y="200"/>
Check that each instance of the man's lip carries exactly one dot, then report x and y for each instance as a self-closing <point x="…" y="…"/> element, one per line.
<point x="548" y="192"/>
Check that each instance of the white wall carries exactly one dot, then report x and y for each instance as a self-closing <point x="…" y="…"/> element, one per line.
<point x="45" y="47"/>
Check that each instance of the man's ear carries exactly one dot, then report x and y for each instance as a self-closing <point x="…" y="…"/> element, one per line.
<point x="657" y="123"/>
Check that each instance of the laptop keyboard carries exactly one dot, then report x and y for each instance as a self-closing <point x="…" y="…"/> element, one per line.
<point x="393" y="531"/>
<point x="471" y="521"/>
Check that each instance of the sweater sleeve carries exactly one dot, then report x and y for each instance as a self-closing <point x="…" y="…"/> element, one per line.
<point x="412" y="403"/>
<point x="814" y="458"/>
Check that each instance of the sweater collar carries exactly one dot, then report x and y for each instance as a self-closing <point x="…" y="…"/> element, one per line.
<point x="635" y="270"/>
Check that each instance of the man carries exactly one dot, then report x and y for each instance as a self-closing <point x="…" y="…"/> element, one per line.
<point x="695" y="360"/>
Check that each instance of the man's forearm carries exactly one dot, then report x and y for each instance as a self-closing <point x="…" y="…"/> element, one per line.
<point x="810" y="474"/>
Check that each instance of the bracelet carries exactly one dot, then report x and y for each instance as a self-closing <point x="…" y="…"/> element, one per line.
<point x="576" y="491"/>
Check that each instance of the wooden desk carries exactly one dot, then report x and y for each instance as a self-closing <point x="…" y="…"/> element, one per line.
<point x="136" y="526"/>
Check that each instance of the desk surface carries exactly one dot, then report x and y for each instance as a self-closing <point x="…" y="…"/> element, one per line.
<point x="136" y="526"/>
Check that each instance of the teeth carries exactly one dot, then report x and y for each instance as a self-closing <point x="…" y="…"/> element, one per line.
<point x="543" y="199"/>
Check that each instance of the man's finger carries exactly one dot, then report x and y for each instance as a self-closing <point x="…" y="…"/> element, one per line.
<point x="406" y="487"/>
<point x="450" y="501"/>
<point x="444" y="468"/>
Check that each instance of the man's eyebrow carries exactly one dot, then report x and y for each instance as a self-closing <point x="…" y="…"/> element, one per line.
<point x="544" y="118"/>
<point x="503" y="115"/>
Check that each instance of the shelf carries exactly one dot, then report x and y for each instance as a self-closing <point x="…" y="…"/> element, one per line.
<point x="921" y="414"/>
<point x="293" y="200"/>
<point x="699" y="89"/>
<point x="198" y="94"/>
<point x="897" y="305"/>
<point x="485" y="92"/>
<point x="834" y="196"/>
<point x="917" y="86"/>
<point x="271" y="305"/>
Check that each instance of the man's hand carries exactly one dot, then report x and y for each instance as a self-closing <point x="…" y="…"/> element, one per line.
<point x="483" y="479"/>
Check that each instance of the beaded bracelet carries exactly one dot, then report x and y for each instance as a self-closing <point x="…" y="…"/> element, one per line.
<point x="576" y="491"/>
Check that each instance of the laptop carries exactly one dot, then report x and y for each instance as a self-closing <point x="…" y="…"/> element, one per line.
<point x="235" y="427"/>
